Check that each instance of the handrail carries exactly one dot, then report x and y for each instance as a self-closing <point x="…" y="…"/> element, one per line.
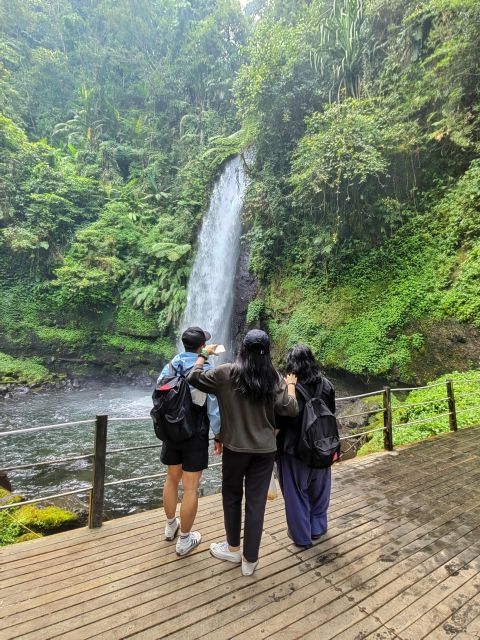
<point x="142" y="418"/>
<point x="44" y="498"/>
<point x="419" y="404"/>
<point x="96" y="489"/>
<point x="47" y="427"/>
<point x="129" y="418"/>
<point x="427" y="386"/>
<point x="362" y="413"/>
<point x="149" y="477"/>
<point x="431" y="419"/>
<point x="46" y="463"/>
<point x="361" y="395"/>
<point x="360" y="433"/>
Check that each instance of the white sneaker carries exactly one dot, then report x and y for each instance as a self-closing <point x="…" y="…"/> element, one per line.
<point x="171" y="530"/>
<point x="185" y="545"/>
<point x="221" y="551"/>
<point x="248" y="567"/>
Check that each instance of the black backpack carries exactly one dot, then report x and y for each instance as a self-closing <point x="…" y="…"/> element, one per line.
<point x="319" y="442"/>
<point x="175" y="417"/>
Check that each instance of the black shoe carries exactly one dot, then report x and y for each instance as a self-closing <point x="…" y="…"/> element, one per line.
<point x="317" y="536"/>
<point x="303" y="547"/>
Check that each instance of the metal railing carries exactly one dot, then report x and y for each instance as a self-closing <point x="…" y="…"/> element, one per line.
<point x="96" y="490"/>
<point x="388" y="409"/>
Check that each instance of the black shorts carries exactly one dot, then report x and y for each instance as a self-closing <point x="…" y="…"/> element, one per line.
<point x="191" y="454"/>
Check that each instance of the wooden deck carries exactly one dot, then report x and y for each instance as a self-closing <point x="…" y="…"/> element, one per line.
<point x="401" y="560"/>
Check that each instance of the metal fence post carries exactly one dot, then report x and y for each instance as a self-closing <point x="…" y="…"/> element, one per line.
<point x="387" y="419"/>
<point x="452" y="415"/>
<point x="95" y="512"/>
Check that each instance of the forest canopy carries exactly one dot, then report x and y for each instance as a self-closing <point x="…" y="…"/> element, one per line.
<point x="362" y="217"/>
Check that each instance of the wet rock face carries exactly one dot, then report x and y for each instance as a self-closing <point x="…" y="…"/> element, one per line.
<point x="355" y="423"/>
<point x="245" y="290"/>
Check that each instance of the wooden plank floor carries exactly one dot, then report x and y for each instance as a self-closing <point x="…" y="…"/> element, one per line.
<point x="401" y="560"/>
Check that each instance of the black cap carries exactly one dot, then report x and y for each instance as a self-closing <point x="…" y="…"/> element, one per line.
<point x="257" y="339"/>
<point x="195" y="337"/>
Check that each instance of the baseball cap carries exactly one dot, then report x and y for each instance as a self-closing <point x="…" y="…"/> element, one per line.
<point x="256" y="338"/>
<point x="194" y="337"/>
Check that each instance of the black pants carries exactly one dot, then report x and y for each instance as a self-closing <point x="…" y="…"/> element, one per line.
<point x="256" y="469"/>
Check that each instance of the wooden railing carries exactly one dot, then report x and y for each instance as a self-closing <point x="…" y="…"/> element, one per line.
<point x="96" y="490"/>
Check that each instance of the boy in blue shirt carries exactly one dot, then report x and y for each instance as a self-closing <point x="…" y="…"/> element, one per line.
<point x="186" y="461"/>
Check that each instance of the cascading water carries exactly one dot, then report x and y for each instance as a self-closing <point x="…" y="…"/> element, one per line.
<point x="210" y="288"/>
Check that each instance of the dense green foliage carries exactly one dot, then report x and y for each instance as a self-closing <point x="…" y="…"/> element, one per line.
<point x="116" y="117"/>
<point x="363" y="211"/>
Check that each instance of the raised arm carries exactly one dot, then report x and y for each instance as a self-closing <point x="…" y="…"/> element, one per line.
<point x="286" y="403"/>
<point x="201" y="379"/>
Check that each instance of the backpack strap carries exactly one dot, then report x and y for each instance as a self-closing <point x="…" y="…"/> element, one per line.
<point x="318" y="390"/>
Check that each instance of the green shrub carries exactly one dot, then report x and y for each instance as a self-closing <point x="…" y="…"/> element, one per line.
<point x="255" y="310"/>
<point x="134" y="322"/>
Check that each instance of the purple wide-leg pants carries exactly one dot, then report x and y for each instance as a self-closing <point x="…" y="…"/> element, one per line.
<point x="306" y="493"/>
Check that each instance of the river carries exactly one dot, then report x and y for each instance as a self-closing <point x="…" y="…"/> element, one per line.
<point x="50" y="407"/>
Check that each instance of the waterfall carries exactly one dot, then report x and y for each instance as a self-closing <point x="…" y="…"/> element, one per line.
<point x="210" y="288"/>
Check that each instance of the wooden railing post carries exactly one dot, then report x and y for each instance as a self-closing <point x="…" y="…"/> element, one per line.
<point x="452" y="415"/>
<point x="95" y="512"/>
<point x="387" y="419"/>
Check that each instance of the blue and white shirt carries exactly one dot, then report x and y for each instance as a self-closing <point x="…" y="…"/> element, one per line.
<point x="186" y="360"/>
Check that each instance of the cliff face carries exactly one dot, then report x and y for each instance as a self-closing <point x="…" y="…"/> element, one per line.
<point x="245" y="290"/>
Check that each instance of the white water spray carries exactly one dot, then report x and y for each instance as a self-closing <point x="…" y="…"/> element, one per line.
<point x="210" y="288"/>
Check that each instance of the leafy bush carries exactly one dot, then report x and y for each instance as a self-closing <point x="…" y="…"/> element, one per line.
<point x="255" y="310"/>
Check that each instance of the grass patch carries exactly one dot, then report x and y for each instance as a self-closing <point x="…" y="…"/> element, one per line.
<point x="23" y="370"/>
<point x="163" y="347"/>
<point x="62" y="337"/>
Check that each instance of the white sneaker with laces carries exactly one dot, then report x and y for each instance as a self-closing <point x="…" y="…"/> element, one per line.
<point x="185" y="545"/>
<point x="248" y="567"/>
<point x="221" y="551"/>
<point x="171" y="530"/>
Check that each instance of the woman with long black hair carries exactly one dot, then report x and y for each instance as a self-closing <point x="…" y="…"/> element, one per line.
<point x="306" y="491"/>
<point x="250" y="392"/>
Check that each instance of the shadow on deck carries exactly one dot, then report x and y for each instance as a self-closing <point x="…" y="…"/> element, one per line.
<point x="401" y="560"/>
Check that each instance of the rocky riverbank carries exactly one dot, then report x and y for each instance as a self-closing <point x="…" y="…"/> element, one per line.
<point x="14" y="390"/>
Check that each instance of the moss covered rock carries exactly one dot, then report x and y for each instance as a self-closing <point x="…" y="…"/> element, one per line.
<point x="30" y="521"/>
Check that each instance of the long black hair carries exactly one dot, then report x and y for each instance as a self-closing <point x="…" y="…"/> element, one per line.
<point x="301" y="361"/>
<point x="254" y="374"/>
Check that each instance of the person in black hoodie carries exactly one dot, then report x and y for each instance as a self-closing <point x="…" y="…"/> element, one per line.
<point x="306" y="491"/>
